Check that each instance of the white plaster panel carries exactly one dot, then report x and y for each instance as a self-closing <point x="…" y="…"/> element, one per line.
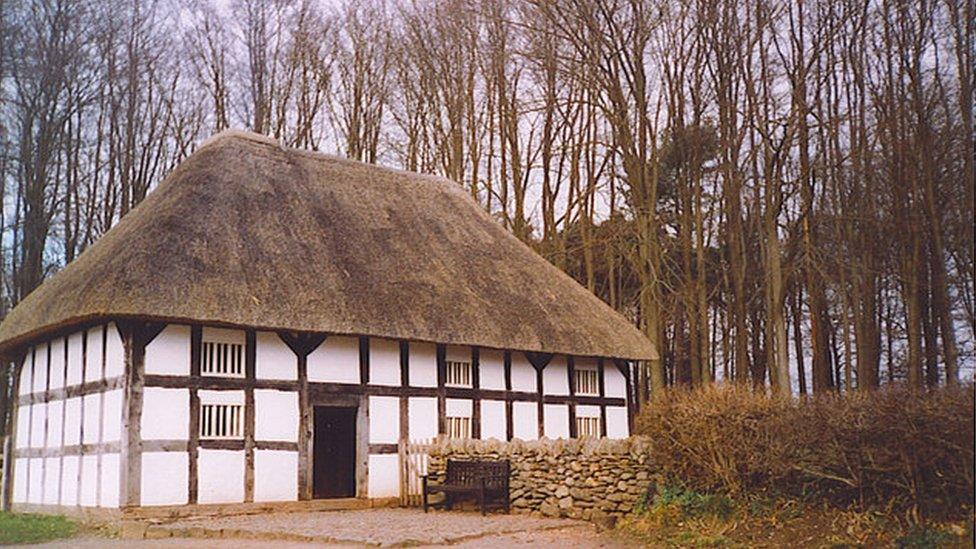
<point x="614" y="382"/>
<point x="165" y="413"/>
<point x="384" y="420"/>
<point x="384" y="362"/>
<point x="525" y="420"/>
<point x="423" y="365"/>
<point x="164" y="478"/>
<point x="275" y="415"/>
<point x="92" y="418"/>
<point x="74" y="359"/>
<point x="23" y="426"/>
<point x="56" y="372"/>
<point x="523" y="374"/>
<point x="114" y="354"/>
<point x="112" y="416"/>
<point x="384" y="477"/>
<point x="274" y="359"/>
<point x="275" y="475"/>
<point x="52" y="480"/>
<point x="422" y="420"/>
<point x="587" y="410"/>
<point x="93" y="366"/>
<point x="20" y="480"/>
<point x="493" y="419"/>
<point x="35" y="480"/>
<point x="555" y="377"/>
<point x="336" y="360"/>
<point x="221" y="397"/>
<point x="491" y="369"/>
<point x="169" y="352"/>
<point x="54" y="422"/>
<point x="110" y="480"/>
<point x="556" y="420"/>
<point x="40" y="369"/>
<point x="456" y="407"/>
<point x="89" y="481"/>
<point x="221" y="476"/>
<point x="69" y="480"/>
<point x="38" y="416"/>
<point x="26" y="374"/>
<point x="617" y="422"/>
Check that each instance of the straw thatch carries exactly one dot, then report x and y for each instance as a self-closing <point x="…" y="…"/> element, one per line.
<point x="247" y="233"/>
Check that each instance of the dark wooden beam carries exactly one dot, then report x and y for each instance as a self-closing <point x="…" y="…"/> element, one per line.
<point x="441" y="390"/>
<point x="509" y="422"/>
<point x="193" y="453"/>
<point x="476" y="399"/>
<point x="603" y="392"/>
<point x="250" y="360"/>
<point x="363" y="360"/>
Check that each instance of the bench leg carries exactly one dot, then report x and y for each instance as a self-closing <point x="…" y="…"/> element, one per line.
<point x="425" y="493"/>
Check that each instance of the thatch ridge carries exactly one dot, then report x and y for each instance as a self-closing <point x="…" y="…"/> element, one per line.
<point x="248" y="233"/>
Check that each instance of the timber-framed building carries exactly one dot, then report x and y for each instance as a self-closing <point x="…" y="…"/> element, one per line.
<point x="270" y="323"/>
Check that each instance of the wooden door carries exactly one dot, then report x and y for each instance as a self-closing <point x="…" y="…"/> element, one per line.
<point x="334" y="452"/>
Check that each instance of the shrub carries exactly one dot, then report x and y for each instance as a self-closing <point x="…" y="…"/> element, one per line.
<point x="907" y="451"/>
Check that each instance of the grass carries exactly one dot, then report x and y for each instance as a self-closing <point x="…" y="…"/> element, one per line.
<point x="679" y="517"/>
<point x="22" y="528"/>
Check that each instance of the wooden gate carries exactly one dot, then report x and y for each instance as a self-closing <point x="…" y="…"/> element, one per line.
<point x="413" y="465"/>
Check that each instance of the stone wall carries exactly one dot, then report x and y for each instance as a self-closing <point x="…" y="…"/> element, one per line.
<point x="590" y="479"/>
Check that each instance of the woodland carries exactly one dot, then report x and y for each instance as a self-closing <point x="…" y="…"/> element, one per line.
<point x="778" y="193"/>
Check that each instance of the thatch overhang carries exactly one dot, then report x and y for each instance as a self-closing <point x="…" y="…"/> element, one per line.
<point x="247" y="233"/>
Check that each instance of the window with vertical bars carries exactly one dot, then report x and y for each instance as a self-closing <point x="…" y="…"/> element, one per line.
<point x="587" y="427"/>
<point x="458" y="373"/>
<point x="221" y="421"/>
<point x="587" y="383"/>
<point x="459" y="427"/>
<point x="222" y="359"/>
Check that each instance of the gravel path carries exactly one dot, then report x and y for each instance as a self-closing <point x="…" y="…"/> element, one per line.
<point x="376" y="526"/>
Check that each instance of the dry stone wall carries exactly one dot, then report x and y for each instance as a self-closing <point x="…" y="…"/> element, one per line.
<point x="589" y="479"/>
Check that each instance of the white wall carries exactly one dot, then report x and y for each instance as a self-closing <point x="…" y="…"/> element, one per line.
<point x="556" y="420"/>
<point x="493" y="419"/>
<point x="75" y="359"/>
<point x="457" y="353"/>
<point x="587" y="410"/>
<point x="384" y="362"/>
<point x="88" y="491"/>
<point x="92" y="418"/>
<point x="165" y="414"/>
<point x="555" y="377"/>
<point x="110" y="480"/>
<point x="525" y="417"/>
<point x="93" y="366"/>
<point x="384" y="476"/>
<point x="491" y="367"/>
<point x="56" y="373"/>
<point x="39" y="384"/>
<point x="72" y="421"/>
<point x="275" y="475"/>
<point x="614" y="382"/>
<point x="275" y="415"/>
<point x="164" y="478"/>
<point x="169" y="352"/>
<point x="336" y="360"/>
<point x="384" y="420"/>
<point x="274" y="359"/>
<point x="523" y="373"/>
<point x="38" y="415"/>
<point x="221" y="476"/>
<point x="35" y="480"/>
<point x="52" y="480"/>
<point x="422" y="417"/>
<point x="114" y="353"/>
<point x="617" y="422"/>
<point x="423" y="365"/>
<point x="458" y="407"/>
<point x="69" y="480"/>
<point x="26" y="375"/>
<point x="23" y="426"/>
<point x="54" y="423"/>
<point x="112" y="416"/>
<point x="20" y="480"/>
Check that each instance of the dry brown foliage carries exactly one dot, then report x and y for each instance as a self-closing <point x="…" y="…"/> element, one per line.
<point x="901" y="450"/>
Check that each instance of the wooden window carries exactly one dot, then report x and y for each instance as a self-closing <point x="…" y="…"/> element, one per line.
<point x="459" y="427"/>
<point x="587" y="382"/>
<point x="587" y="427"/>
<point x="222" y="359"/>
<point x="221" y="421"/>
<point x="458" y="373"/>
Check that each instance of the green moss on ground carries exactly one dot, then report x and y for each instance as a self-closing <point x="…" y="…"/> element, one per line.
<point x="23" y="528"/>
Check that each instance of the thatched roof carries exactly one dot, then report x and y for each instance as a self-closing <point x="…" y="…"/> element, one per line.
<point x="247" y="233"/>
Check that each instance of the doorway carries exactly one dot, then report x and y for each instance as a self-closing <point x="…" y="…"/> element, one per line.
<point x="334" y="452"/>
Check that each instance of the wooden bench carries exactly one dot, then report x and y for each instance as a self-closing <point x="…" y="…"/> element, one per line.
<point x="484" y="480"/>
